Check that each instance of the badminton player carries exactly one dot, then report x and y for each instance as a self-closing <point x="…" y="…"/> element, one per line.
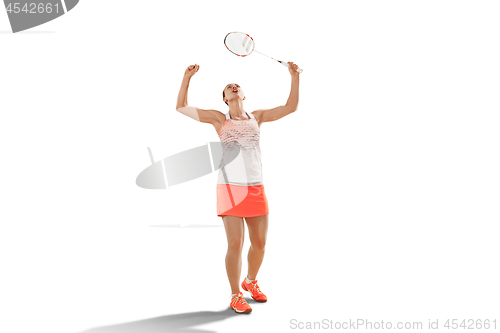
<point x="240" y="188"/>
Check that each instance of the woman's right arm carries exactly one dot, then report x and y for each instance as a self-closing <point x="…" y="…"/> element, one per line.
<point x="204" y="116"/>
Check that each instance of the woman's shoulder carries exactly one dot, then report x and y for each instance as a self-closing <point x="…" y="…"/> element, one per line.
<point x="220" y="116"/>
<point x="257" y="114"/>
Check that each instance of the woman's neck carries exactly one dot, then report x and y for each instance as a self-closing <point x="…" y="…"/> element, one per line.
<point x="236" y="109"/>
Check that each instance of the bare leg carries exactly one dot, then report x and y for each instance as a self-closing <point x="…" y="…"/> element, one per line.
<point x="257" y="230"/>
<point x="235" y="232"/>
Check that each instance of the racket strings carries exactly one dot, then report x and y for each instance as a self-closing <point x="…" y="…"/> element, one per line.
<point x="239" y="43"/>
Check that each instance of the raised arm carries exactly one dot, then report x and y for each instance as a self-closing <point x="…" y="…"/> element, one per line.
<point x="291" y="104"/>
<point x="204" y="116"/>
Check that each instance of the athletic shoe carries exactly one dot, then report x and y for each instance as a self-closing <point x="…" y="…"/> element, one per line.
<point x="239" y="305"/>
<point x="254" y="289"/>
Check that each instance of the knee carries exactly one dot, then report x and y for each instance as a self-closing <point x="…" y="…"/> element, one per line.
<point x="235" y="245"/>
<point x="259" y="245"/>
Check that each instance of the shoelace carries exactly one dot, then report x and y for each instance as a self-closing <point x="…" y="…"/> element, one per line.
<point x="239" y="298"/>
<point x="255" y="287"/>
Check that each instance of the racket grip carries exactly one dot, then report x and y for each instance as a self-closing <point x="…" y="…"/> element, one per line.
<point x="286" y="65"/>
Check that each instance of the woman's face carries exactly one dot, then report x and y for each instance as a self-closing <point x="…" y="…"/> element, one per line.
<point x="233" y="91"/>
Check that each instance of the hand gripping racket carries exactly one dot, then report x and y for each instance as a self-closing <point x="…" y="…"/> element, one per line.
<point x="243" y="45"/>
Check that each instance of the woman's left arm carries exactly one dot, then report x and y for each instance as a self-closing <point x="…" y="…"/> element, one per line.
<point x="291" y="104"/>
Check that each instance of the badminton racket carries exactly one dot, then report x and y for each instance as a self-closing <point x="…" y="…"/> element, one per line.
<point x="243" y="45"/>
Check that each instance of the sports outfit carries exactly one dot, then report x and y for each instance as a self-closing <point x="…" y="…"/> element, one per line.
<point x="240" y="188"/>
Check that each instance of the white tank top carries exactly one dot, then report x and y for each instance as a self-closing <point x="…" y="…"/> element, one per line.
<point x="241" y="163"/>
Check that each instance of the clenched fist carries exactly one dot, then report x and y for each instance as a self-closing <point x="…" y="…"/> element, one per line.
<point x="191" y="70"/>
<point x="292" y="68"/>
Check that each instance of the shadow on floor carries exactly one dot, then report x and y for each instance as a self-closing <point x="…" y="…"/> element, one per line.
<point x="177" y="323"/>
<point x="188" y="226"/>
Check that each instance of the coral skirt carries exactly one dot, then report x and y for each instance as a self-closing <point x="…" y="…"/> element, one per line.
<point x="243" y="201"/>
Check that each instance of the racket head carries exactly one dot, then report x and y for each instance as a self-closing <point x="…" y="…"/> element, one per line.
<point x="239" y="43"/>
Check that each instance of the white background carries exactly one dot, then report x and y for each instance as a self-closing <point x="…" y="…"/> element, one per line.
<point x="383" y="187"/>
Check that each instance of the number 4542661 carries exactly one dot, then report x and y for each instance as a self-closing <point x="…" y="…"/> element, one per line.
<point x="471" y="324"/>
<point x="32" y="8"/>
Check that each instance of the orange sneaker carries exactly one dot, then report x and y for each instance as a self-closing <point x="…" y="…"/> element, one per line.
<point x="253" y="288"/>
<point x="239" y="305"/>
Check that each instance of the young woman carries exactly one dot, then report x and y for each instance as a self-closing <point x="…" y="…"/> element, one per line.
<point x="240" y="188"/>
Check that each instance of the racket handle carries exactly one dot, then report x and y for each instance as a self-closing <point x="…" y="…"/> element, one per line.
<point x="286" y="65"/>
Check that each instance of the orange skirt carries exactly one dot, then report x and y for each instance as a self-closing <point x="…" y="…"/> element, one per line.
<point x="243" y="201"/>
